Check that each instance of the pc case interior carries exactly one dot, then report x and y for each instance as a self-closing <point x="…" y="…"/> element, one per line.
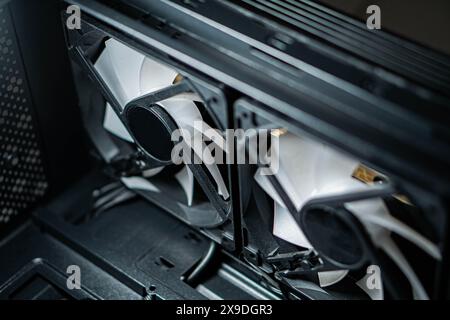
<point x="87" y="179"/>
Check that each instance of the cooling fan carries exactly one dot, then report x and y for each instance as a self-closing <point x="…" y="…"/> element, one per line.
<point x="328" y="202"/>
<point x="146" y="102"/>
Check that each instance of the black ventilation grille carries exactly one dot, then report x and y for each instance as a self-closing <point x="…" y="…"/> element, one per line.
<point x="22" y="177"/>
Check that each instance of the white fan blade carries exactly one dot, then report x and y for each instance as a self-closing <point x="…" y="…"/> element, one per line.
<point x="186" y="179"/>
<point x="212" y="134"/>
<point x="139" y="183"/>
<point x="385" y="242"/>
<point x="212" y="168"/>
<point x="151" y="172"/>
<point x="155" y="76"/>
<point x="285" y="227"/>
<point x="191" y="96"/>
<point x="295" y="174"/>
<point x="105" y="69"/>
<point x="113" y="124"/>
<point x="308" y="169"/>
<point x="186" y="114"/>
<point x="127" y="64"/>
<point x="328" y="278"/>
<point x="375" y="212"/>
<point x="119" y="66"/>
<point x="373" y="292"/>
<point x="333" y="173"/>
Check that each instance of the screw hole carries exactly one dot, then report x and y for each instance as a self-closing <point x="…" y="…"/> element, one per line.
<point x="214" y="100"/>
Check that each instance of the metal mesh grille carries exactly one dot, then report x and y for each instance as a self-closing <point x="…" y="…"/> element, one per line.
<point x="22" y="176"/>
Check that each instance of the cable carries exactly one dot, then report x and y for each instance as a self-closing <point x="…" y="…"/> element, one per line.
<point x="203" y="265"/>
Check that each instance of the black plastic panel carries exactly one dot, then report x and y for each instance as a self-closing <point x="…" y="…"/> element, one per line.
<point x="23" y="181"/>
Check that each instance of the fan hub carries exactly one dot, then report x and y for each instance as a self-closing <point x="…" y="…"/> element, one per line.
<point x="151" y="128"/>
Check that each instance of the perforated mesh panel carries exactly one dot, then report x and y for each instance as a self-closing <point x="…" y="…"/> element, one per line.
<point x="22" y="177"/>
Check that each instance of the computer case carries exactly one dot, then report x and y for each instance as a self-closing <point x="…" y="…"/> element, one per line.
<point x="297" y="65"/>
